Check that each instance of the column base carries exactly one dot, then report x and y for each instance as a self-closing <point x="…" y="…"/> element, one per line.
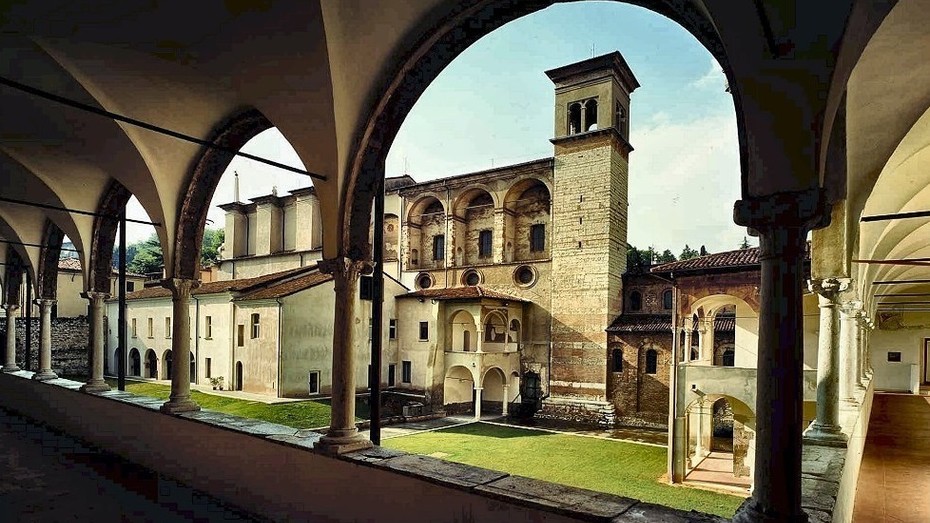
<point x="335" y="445"/>
<point x="748" y="512"/>
<point x="828" y="435"/>
<point x="11" y="368"/>
<point x="180" y="405"/>
<point x="45" y="375"/>
<point x="95" y="386"/>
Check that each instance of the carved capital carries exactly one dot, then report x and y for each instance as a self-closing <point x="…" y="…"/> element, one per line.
<point x="180" y="287"/>
<point x="851" y="309"/>
<point x="10" y="308"/>
<point x="342" y="267"/>
<point x="96" y="296"/>
<point x="828" y="289"/>
<point x="45" y="303"/>
<point x="800" y="209"/>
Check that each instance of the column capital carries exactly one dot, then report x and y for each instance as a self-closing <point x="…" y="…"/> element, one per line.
<point x="851" y="308"/>
<point x="828" y="288"/>
<point x="96" y="295"/>
<point x="342" y="265"/>
<point x="180" y="287"/>
<point x="798" y="209"/>
<point x="10" y="307"/>
<point x="45" y="302"/>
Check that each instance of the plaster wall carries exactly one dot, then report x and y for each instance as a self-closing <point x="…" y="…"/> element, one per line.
<point x="258" y="355"/>
<point x="156" y="309"/>
<point x="426" y="357"/>
<point x="306" y="340"/>
<point x="252" y="266"/>
<point x="904" y="334"/>
<point x="217" y="347"/>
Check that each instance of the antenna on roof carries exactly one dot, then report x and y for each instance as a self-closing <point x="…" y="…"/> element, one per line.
<point x="236" y="186"/>
<point x="406" y="165"/>
<point x="592" y="49"/>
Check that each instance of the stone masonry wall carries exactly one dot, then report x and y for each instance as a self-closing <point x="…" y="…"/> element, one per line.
<point x="641" y="399"/>
<point x="69" y="344"/>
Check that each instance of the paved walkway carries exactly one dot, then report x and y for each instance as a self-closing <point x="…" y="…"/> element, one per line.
<point x="895" y="474"/>
<point x="715" y="472"/>
<point x="48" y="477"/>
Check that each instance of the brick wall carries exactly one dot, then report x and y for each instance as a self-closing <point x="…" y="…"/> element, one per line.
<point x="69" y="344"/>
<point x="639" y="398"/>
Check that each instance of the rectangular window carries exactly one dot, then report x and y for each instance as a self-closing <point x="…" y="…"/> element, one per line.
<point x="256" y="326"/>
<point x="424" y="330"/>
<point x="392" y="370"/>
<point x="313" y="382"/>
<point x="537" y="237"/>
<point x="135" y="332"/>
<point x="130" y="286"/>
<point x="392" y="329"/>
<point x="405" y="372"/>
<point x="894" y="356"/>
<point x="208" y="327"/>
<point x="439" y="247"/>
<point x="240" y="335"/>
<point x="168" y="327"/>
<point x="208" y="368"/>
<point x="484" y="244"/>
<point x="151" y="328"/>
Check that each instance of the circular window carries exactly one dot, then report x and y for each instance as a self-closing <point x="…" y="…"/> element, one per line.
<point x="524" y="276"/>
<point x="424" y="280"/>
<point x="471" y="277"/>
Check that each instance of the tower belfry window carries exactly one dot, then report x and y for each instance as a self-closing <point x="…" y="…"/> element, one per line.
<point x="590" y="119"/>
<point x="574" y="118"/>
<point x="620" y="118"/>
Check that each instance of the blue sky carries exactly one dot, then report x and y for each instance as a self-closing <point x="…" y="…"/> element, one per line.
<point x="494" y="106"/>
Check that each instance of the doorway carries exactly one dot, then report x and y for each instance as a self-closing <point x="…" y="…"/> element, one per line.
<point x="238" y="375"/>
<point x="926" y="378"/>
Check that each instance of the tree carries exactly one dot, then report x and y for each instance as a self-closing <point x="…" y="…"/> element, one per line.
<point x="745" y="243"/>
<point x="147" y="258"/>
<point x="212" y="240"/>
<point x="687" y="253"/>
<point x="666" y="257"/>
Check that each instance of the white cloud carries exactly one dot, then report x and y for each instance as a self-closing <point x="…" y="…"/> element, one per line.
<point x="712" y="79"/>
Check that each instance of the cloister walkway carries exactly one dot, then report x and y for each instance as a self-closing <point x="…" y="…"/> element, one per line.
<point x="895" y="473"/>
<point x="49" y="477"/>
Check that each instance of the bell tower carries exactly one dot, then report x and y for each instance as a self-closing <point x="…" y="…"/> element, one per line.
<point x="589" y="215"/>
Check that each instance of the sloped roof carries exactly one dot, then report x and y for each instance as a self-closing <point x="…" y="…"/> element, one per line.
<point x="738" y="258"/>
<point x="287" y="287"/>
<point x="74" y="264"/>
<point x="661" y="323"/>
<point x="461" y="293"/>
<point x="395" y="183"/>
<point x="213" y="287"/>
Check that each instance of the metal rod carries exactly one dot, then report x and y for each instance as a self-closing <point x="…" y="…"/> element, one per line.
<point x="75" y="211"/>
<point x="885" y="303"/>
<point x="28" y="358"/>
<point x="922" y="262"/>
<point x="11" y="242"/>
<point x="895" y="216"/>
<point x="903" y="295"/>
<point x="377" y="308"/>
<point x="150" y="127"/>
<point x="898" y="282"/>
<point x="121" y="320"/>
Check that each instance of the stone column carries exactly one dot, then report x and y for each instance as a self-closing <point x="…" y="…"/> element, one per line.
<point x="45" y="341"/>
<point x="342" y="435"/>
<point x="707" y="341"/>
<point x="782" y="222"/>
<point x="870" y="326"/>
<point x="506" y="399"/>
<point x="688" y="332"/>
<point x="96" y="382"/>
<point x="826" y="427"/>
<point x="477" y="403"/>
<point x="848" y="312"/>
<point x="9" y="362"/>
<point x="699" y="450"/>
<point x="180" y="398"/>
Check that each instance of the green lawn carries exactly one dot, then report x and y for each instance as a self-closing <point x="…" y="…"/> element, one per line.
<point x="300" y="415"/>
<point x="617" y="467"/>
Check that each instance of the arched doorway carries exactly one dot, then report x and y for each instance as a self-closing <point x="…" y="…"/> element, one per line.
<point x="458" y="392"/>
<point x="494" y="392"/>
<point x="166" y="365"/>
<point x="135" y="362"/>
<point x="151" y="364"/>
<point x="238" y="375"/>
<point x="722" y="433"/>
<point x="193" y="369"/>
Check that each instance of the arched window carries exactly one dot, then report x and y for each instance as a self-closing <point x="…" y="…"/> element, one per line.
<point x="652" y="361"/>
<point x="728" y="358"/>
<point x="667" y="299"/>
<point x="590" y="116"/>
<point x="636" y="301"/>
<point x="574" y="118"/>
<point x="616" y="360"/>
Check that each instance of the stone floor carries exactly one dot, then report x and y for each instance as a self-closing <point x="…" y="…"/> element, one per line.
<point x="48" y="477"/>
<point x="715" y="472"/>
<point x="895" y="476"/>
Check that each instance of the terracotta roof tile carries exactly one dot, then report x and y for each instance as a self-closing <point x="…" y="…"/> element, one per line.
<point x="738" y="258"/>
<point x="287" y="287"/>
<point x="74" y="264"/>
<point x="661" y="323"/>
<point x="213" y="287"/>
<point x="461" y="293"/>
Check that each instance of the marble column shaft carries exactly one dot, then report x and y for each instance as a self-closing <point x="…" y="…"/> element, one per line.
<point x="848" y="350"/>
<point x="826" y="426"/>
<point x="9" y="362"/>
<point x="96" y="382"/>
<point x="180" y="398"/>
<point x="45" y="341"/>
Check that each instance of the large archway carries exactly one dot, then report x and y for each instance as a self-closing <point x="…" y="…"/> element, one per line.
<point x="458" y="391"/>
<point x="135" y="362"/>
<point x="151" y="364"/>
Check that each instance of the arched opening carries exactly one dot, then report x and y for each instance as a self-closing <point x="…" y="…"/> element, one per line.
<point x="458" y="392"/>
<point x="721" y="441"/>
<point x="652" y="361"/>
<point x="238" y="375"/>
<point x="151" y="364"/>
<point x="590" y="115"/>
<point x="722" y="426"/>
<point x="166" y="365"/>
<point x="515" y="334"/>
<point x="495" y="332"/>
<point x="494" y="391"/>
<point x="135" y="362"/>
<point x="426" y="234"/>
<point x="574" y="118"/>
<point x="616" y="359"/>
<point x="636" y="301"/>
<point x="475" y="232"/>
<point x="464" y="331"/>
<point x="527" y="221"/>
<point x="193" y="369"/>
<point x="667" y="299"/>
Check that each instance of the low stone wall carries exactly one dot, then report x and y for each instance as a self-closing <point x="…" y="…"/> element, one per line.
<point x="69" y="344"/>
<point x="600" y="413"/>
<point x="271" y="470"/>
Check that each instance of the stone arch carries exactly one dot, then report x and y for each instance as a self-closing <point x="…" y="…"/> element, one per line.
<point x="458" y="390"/>
<point x="151" y="364"/>
<point x="47" y="281"/>
<point x="494" y="331"/>
<point x="475" y="210"/>
<point x="13" y="275"/>
<point x="746" y="325"/>
<point x="100" y="267"/>
<point x="166" y="365"/>
<point x="438" y="47"/>
<point x="492" y="390"/>
<point x="205" y="175"/>
<point x="135" y="362"/>
<point x="528" y="203"/>
<point x="426" y="222"/>
<point x="464" y="331"/>
<point x="699" y="415"/>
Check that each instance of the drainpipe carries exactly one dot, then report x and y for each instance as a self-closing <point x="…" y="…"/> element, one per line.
<point x="196" y="339"/>
<point x="280" y="335"/>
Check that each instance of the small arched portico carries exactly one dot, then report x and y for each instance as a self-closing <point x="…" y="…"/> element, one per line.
<point x="495" y="390"/>
<point x="464" y="332"/>
<point x="458" y="391"/>
<point x="720" y="428"/>
<point x="721" y="314"/>
<point x="151" y="364"/>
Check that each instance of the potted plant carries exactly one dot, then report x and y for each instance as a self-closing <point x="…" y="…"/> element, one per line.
<point x="217" y="382"/>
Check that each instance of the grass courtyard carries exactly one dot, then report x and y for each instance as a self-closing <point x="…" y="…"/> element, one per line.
<point x="617" y="467"/>
<point x="299" y="414"/>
